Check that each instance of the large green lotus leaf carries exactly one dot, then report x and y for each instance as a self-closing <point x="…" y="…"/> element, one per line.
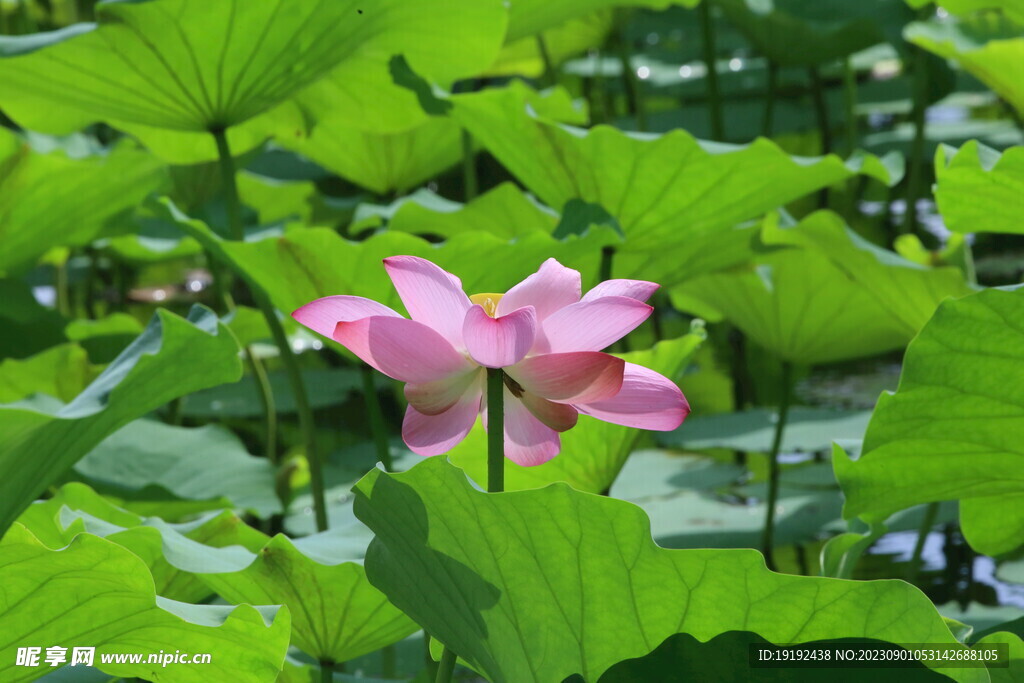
<point x="95" y="593"/>
<point x="954" y="429"/>
<point x="522" y="57"/>
<point x="149" y="460"/>
<point x="980" y="190"/>
<point x="504" y="211"/>
<point x="909" y="291"/>
<point x="812" y="32"/>
<point x="49" y="200"/>
<point x="337" y="614"/>
<point x="446" y="40"/>
<point x="676" y="198"/>
<point x="486" y="575"/>
<point x="593" y="452"/>
<point x="38" y="442"/>
<point x="398" y="161"/>
<point x="61" y="372"/>
<point x="308" y="263"/>
<point x="989" y="47"/>
<point x="799" y="306"/>
<point x="382" y="162"/>
<point x="191" y="65"/>
<point x="75" y="508"/>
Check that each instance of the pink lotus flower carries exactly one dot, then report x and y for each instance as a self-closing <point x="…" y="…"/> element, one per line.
<point x="546" y="337"/>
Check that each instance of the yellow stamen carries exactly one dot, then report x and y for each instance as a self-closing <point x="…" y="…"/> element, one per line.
<point x="488" y="301"/>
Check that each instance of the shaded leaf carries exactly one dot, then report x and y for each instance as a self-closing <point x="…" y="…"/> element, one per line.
<point x="39" y="442"/>
<point x="50" y="200"/>
<point x="807" y="429"/>
<point x="149" y="460"/>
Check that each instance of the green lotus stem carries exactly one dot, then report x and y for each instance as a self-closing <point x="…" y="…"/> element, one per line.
<point x="60" y="286"/>
<point x="821" y="113"/>
<point x="229" y="185"/>
<point x="388" y="661"/>
<point x="266" y="394"/>
<point x="927" y="522"/>
<point x="469" y="180"/>
<point x="326" y="671"/>
<point x="599" y="94"/>
<point x="768" y="536"/>
<point x="291" y="363"/>
<point x="821" y="109"/>
<point x="550" y="76"/>
<point x="916" y="170"/>
<point x="634" y="96"/>
<point x="380" y="435"/>
<point x="850" y="103"/>
<point x="707" y="27"/>
<point x="495" y="430"/>
<point x="768" y="122"/>
<point x="495" y="474"/>
<point x="447" y="666"/>
<point x="174" y="411"/>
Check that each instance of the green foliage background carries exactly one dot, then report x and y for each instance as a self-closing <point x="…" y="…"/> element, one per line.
<point x="831" y="195"/>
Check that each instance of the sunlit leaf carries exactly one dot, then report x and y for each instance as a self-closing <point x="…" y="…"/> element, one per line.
<point x="593" y="452"/>
<point x="504" y="211"/>
<point x="1012" y="8"/>
<point x="148" y="460"/>
<point x="337" y="614"/>
<point x="980" y="190"/>
<point x="988" y="47"/>
<point x="95" y="593"/>
<point x="39" y="441"/>
<point x="167" y="69"/>
<point x="486" y="575"/>
<point x="75" y="508"/>
<point x="61" y="372"/>
<point x="49" y="200"/>
<point x="953" y="429"/>
<point x="676" y="198"/>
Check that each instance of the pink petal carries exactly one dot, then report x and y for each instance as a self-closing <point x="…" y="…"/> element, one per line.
<point x="437" y="434"/>
<point x="432" y="296"/>
<point x="528" y="441"/>
<point x="499" y="342"/>
<point x="323" y="315"/>
<point x="552" y="287"/>
<point x="641" y="290"/>
<point x="433" y="398"/>
<point x="647" y="400"/>
<point x="403" y="349"/>
<point x="557" y="416"/>
<point x="593" y="325"/>
<point x="579" y="377"/>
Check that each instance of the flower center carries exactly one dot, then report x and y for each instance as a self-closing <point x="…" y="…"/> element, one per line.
<point x="488" y="301"/>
